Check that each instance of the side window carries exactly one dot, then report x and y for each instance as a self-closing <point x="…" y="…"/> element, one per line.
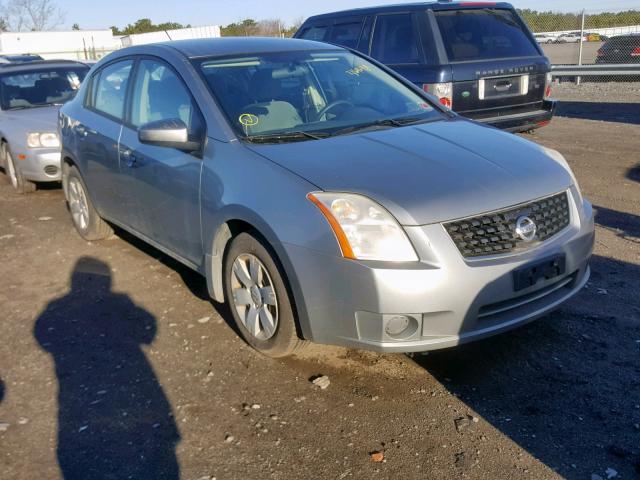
<point x="110" y="89"/>
<point x="346" y="34"/>
<point x="159" y="94"/>
<point x="395" y="40"/>
<point x="317" y="33"/>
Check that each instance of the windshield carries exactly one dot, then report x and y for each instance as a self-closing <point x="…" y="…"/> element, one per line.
<point x="484" y="34"/>
<point x="317" y="93"/>
<point x="38" y="88"/>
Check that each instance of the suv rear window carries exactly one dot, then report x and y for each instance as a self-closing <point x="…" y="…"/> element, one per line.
<point x="484" y="34"/>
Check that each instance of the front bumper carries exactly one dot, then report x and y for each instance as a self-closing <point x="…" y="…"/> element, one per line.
<point x="451" y="300"/>
<point x="524" y="121"/>
<point x="40" y="164"/>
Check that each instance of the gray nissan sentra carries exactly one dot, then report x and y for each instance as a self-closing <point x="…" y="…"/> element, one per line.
<point x="322" y="196"/>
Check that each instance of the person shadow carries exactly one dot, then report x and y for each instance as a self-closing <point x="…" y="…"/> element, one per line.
<point x="114" y="419"/>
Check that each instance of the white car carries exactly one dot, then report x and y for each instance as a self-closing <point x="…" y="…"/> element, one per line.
<point x="545" y="38"/>
<point x="573" y="37"/>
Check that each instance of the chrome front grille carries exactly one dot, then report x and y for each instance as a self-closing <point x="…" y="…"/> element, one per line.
<point x="495" y="233"/>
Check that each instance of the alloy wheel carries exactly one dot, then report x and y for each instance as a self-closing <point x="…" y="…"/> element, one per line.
<point x="254" y="296"/>
<point x="78" y="204"/>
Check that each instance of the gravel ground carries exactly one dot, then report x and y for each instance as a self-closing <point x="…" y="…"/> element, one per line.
<point x="143" y="378"/>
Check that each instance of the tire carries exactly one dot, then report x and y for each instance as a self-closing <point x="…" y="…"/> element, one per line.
<point x="18" y="182"/>
<point x="258" y="298"/>
<point x="3" y="157"/>
<point x="84" y="216"/>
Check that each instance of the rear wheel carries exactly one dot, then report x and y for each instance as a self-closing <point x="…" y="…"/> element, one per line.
<point x="258" y="298"/>
<point x="18" y="182"/>
<point x="85" y="217"/>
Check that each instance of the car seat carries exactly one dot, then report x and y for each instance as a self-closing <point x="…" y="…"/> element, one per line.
<point x="269" y="111"/>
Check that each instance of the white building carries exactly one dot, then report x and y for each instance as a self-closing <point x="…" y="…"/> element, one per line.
<point x="90" y="44"/>
<point x="71" y="45"/>
<point x="208" y="31"/>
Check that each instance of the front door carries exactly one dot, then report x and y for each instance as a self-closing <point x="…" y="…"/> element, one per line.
<point x="98" y="133"/>
<point x="164" y="182"/>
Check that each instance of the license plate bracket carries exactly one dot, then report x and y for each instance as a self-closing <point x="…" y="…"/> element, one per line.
<point x="542" y="270"/>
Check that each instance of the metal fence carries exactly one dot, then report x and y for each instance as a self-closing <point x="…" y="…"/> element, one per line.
<point x="589" y="38"/>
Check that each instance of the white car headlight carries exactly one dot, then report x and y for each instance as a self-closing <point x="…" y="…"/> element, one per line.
<point x="365" y="230"/>
<point x="43" y="140"/>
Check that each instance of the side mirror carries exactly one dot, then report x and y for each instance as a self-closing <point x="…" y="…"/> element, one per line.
<point x="172" y="133"/>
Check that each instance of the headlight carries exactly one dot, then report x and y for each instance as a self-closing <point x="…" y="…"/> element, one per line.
<point x="364" y="229"/>
<point x="46" y="140"/>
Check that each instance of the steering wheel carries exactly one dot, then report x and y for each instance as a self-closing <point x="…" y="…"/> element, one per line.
<point x="322" y="113"/>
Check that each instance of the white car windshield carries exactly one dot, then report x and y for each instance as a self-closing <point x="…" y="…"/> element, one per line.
<point x="38" y="88"/>
<point x="310" y="94"/>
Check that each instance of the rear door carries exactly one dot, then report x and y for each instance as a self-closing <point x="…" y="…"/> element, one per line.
<point x="396" y="43"/>
<point x="496" y="64"/>
<point x="164" y="182"/>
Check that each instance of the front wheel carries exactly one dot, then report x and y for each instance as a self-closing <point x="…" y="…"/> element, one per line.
<point x="85" y="217"/>
<point x="258" y="298"/>
<point x="18" y="182"/>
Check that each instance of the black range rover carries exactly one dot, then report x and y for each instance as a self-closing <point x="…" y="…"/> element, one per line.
<point x="478" y="58"/>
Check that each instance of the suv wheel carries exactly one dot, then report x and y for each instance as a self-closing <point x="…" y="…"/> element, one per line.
<point x="19" y="183"/>
<point x="258" y="298"/>
<point x="85" y="218"/>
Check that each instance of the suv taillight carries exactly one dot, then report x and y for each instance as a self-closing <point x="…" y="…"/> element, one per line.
<point x="444" y="92"/>
<point x="636" y="52"/>
<point x="547" y="86"/>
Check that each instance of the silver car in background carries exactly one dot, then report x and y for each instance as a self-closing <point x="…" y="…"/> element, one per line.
<point x="323" y="196"/>
<point x="31" y="94"/>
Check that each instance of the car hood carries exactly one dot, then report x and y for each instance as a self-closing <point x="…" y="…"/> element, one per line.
<point x="39" y="119"/>
<point x="427" y="173"/>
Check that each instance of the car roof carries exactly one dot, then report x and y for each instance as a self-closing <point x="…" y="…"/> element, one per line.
<point x="38" y="65"/>
<point x="213" y="47"/>
<point x="21" y="55"/>
<point x="628" y="36"/>
<point x="405" y="7"/>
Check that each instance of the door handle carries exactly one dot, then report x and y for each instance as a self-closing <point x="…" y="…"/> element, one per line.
<point x="129" y="157"/>
<point x="84" y="131"/>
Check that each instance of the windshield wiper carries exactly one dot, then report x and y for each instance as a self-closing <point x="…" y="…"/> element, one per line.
<point x="385" y="122"/>
<point x="286" y="136"/>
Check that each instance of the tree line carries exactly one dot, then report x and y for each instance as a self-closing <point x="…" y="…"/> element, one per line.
<point x="245" y="28"/>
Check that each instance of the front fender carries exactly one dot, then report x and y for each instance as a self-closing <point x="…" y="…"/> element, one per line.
<point x="214" y="261"/>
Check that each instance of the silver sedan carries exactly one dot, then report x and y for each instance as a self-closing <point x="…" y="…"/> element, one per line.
<point x="323" y="197"/>
<point x="30" y="97"/>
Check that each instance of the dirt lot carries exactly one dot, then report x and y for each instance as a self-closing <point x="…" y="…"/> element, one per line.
<point x="144" y="378"/>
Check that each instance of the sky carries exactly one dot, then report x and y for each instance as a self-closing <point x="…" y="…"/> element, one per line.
<point x="222" y="12"/>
